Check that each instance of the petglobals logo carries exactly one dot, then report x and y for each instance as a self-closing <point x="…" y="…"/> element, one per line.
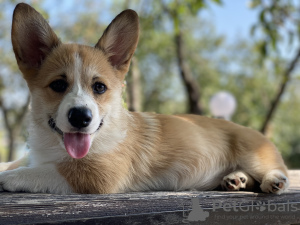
<point x="267" y="208"/>
<point x="197" y="213"/>
<point x="255" y="206"/>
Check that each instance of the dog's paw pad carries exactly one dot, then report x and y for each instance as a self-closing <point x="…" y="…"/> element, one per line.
<point x="234" y="181"/>
<point x="274" y="182"/>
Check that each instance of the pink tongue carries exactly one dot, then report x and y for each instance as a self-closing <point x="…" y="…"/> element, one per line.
<point x="77" y="144"/>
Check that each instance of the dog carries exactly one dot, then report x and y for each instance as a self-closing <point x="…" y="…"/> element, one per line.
<point x="83" y="140"/>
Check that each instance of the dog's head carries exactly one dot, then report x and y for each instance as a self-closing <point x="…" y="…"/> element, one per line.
<point x="74" y="88"/>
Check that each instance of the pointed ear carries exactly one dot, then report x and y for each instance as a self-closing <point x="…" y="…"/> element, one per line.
<point x="32" y="37"/>
<point x="120" y="39"/>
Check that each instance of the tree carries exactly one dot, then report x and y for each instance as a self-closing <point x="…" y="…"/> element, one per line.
<point x="133" y="80"/>
<point x="13" y="126"/>
<point x="175" y="11"/>
<point x="278" y="21"/>
<point x="14" y="97"/>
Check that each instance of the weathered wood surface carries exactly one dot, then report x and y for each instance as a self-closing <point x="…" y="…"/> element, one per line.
<point x="154" y="207"/>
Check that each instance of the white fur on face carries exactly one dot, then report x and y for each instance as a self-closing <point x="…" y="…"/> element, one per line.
<point x="77" y="97"/>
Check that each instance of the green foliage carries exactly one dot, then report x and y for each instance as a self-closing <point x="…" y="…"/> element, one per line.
<point x="13" y="89"/>
<point x="285" y="130"/>
<point x="278" y="20"/>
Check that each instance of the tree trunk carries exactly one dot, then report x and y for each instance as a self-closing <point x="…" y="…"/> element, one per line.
<point x="10" y="134"/>
<point x="134" y="87"/>
<point x="191" y="85"/>
<point x="13" y="128"/>
<point x="286" y="77"/>
<point x="11" y="146"/>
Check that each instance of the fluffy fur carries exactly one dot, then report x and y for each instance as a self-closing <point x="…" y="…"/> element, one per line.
<point x="131" y="151"/>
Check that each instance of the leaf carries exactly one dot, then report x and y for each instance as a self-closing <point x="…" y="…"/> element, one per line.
<point x="220" y="2"/>
<point x="291" y="37"/>
<point x="262" y="47"/>
<point x="253" y="29"/>
<point x="254" y="4"/>
<point x="273" y="36"/>
<point x="262" y="16"/>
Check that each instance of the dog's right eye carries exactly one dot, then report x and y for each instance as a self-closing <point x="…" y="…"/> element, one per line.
<point x="59" y="86"/>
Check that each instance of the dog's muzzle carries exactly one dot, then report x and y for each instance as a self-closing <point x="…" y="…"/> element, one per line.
<point x="52" y="124"/>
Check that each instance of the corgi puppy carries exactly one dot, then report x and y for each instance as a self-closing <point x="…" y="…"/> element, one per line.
<point x="83" y="140"/>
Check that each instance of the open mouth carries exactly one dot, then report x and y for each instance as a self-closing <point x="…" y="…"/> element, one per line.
<point x="77" y="144"/>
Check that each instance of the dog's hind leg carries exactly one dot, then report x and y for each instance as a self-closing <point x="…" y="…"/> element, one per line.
<point x="275" y="181"/>
<point x="238" y="180"/>
<point x="266" y="166"/>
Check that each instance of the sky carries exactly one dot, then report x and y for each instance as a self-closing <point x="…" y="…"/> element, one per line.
<point x="232" y="19"/>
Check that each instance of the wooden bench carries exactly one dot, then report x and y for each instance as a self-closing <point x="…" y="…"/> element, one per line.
<point x="154" y="207"/>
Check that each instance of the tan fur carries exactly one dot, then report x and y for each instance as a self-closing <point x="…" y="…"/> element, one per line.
<point x="156" y="142"/>
<point x="136" y="151"/>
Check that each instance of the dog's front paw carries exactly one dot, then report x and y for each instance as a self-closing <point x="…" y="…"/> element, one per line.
<point x="44" y="179"/>
<point x="9" y="181"/>
<point x="274" y="182"/>
<point x="236" y="181"/>
<point x="4" y="166"/>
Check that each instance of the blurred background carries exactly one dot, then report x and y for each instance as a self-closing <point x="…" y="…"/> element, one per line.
<point x="235" y="59"/>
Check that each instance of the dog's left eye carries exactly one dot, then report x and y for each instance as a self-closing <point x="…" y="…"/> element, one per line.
<point x="99" y="88"/>
<point x="59" y="86"/>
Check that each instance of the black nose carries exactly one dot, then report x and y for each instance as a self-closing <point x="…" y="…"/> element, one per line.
<point x="80" y="117"/>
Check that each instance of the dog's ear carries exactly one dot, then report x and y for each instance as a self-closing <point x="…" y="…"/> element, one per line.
<point x="32" y="38"/>
<point x="120" y="39"/>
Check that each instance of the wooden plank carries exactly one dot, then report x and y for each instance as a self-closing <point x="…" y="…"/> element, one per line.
<point x="153" y="207"/>
<point x="294" y="176"/>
